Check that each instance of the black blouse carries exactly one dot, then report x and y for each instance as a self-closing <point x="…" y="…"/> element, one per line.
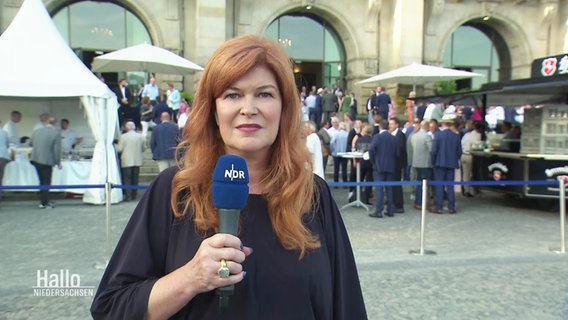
<point x="323" y="285"/>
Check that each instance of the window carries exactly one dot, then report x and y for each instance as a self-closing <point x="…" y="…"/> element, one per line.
<point x="92" y="28"/>
<point x="314" y="47"/>
<point x="471" y="50"/>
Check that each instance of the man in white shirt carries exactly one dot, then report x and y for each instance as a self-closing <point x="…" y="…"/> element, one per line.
<point x="69" y="138"/>
<point x="151" y="90"/>
<point x="311" y="104"/>
<point x="313" y="143"/>
<point x="334" y="127"/>
<point x="469" y="138"/>
<point x="12" y="130"/>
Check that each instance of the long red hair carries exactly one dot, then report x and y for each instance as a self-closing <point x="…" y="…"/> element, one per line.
<point x="288" y="179"/>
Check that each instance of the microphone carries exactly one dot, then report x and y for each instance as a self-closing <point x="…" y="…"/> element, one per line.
<point x="230" y="195"/>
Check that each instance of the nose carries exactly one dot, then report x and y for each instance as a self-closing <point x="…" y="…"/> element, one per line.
<point x="248" y="108"/>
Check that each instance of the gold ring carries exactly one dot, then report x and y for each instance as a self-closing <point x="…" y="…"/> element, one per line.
<point x="223" y="271"/>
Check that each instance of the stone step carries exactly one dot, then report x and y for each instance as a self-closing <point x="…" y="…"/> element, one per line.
<point x="149" y="169"/>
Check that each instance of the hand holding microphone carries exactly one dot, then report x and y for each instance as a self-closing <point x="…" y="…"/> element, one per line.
<point x="230" y="195"/>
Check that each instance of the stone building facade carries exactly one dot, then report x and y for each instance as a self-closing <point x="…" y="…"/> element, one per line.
<point x="375" y="35"/>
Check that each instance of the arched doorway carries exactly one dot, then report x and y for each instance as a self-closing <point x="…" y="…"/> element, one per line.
<point x="92" y="28"/>
<point x="318" y="54"/>
<point x="477" y="47"/>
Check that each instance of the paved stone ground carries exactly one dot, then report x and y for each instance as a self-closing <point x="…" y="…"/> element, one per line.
<point x="493" y="259"/>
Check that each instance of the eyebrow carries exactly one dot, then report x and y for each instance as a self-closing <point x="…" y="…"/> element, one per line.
<point x="262" y="87"/>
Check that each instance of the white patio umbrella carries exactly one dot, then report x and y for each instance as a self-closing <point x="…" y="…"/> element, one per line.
<point x="144" y="57"/>
<point x="420" y="74"/>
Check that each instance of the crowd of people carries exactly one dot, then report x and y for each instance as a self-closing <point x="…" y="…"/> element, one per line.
<point x="428" y="141"/>
<point x="164" y="112"/>
<point x="145" y="106"/>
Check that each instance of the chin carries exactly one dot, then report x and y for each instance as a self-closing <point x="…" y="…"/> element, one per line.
<point x="247" y="149"/>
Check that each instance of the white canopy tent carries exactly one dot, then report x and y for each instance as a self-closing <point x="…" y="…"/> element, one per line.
<point x="420" y="74"/>
<point x="37" y="64"/>
<point x="144" y="57"/>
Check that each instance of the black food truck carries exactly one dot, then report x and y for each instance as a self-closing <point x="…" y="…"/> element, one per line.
<point x="542" y="150"/>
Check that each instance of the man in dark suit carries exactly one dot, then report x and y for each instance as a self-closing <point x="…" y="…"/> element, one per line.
<point x="382" y="103"/>
<point x="329" y="102"/>
<point x="420" y="110"/>
<point x="165" y="137"/>
<point x="382" y="153"/>
<point x="369" y="106"/>
<point x="401" y="162"/>
<point x="318" y="112"/>
<point x="125" y="109"/>
<point x="446" y="153"/>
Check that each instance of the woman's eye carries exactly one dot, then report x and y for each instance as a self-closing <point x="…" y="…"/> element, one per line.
<point x="232" y="96"/>
<point x="265" y="95"/>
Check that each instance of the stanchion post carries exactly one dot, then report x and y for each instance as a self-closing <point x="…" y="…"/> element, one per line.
<point x="562" y="197"/>
<point x="108" y="190"/>
<point x="423" y="212"/>
<point x="422" y="251"/>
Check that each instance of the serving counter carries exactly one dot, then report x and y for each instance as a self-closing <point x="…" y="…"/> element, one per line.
<point x="502" y="166"/>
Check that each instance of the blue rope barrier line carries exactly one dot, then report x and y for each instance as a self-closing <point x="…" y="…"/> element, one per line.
<point x="131" y="186"/>
<point x="446" y="183"/>
<point x="73" y="186"/>
<point x="44" y="187"/>
<point x="331" y="184"/>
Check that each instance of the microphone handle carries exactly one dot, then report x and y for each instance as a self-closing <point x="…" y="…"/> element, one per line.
<point x="229" y="221"/>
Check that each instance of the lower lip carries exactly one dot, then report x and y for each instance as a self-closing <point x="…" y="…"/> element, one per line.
<point x="248" y="129"/>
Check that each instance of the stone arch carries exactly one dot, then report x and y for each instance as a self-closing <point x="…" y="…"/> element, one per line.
<point x="329" y="15"/>
<point x="137" y="9"/>
<point x="509" y="40"/>
<point x="334" y="21"/>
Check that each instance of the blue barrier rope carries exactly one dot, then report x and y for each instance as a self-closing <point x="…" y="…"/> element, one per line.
<point x="331" y="184"/>
<point x="445" y="183"/>
<point x="44" y="187"/>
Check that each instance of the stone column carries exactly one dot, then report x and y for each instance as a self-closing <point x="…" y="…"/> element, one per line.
<point x="204" y="29"/>
<point x="406" y="44"/>
<point x="407" y="33"/>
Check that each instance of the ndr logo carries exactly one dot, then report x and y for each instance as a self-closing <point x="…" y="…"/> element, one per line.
<point x="234" y="174"/>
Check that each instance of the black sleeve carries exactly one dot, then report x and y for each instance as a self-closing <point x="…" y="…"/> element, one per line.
<point x="347" y="296"/>
<point x="139" y="257"/>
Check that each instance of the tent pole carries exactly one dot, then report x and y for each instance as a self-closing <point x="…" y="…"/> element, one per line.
<point x="108" y="187"/>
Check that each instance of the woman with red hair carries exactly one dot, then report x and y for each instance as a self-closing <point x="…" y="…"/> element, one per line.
<point x="169" y="260"/>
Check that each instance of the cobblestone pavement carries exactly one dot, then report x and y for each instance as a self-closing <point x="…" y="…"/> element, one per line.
<point x="493" y="260"/>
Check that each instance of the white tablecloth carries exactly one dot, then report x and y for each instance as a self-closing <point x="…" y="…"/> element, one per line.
<point x="72" y="173"/>
<point x="23" y="173"/>
<point x="20" y="173"/>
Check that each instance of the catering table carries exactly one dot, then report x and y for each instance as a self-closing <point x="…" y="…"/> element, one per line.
<point x="72" y="172"/>
<point x="22" y="173"/>
<point x="356" y="156"/>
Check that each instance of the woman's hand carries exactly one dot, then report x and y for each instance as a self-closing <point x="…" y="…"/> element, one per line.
<point x="171" y="292"/>
<point x="203" y="268"/>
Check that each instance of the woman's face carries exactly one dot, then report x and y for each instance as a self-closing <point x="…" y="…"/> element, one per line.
<point x="248" y="113"/>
